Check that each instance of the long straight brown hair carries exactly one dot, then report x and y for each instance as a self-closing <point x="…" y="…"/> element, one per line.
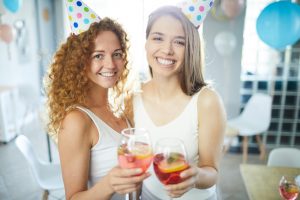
<point x="190" y="76"/>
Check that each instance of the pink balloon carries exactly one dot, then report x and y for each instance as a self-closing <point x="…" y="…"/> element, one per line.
<point x="6" y="33"/>
<point x="232" y="8"/>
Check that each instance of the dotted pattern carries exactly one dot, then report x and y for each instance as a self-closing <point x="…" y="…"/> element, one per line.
<point x="80" y="16"/>
<point x="196" y="10"/>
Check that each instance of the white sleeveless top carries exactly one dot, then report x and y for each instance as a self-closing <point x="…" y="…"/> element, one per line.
<point x="185" y="127"/>
<point x="104" y="153"/>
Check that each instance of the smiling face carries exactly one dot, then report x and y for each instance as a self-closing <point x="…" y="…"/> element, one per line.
<point x="107" y="61"/>
<point x="165" y="46"/>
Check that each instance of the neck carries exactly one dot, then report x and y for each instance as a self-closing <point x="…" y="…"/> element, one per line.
<point x="163" y="87"/>
<point x="97" y="97"/>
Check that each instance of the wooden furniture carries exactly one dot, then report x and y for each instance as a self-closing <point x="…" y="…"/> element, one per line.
<point x="253" y="120"/>
<point x="262" y="181"/>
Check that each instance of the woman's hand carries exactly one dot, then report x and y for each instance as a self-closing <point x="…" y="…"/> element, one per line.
<point x="190" y="176"/>
<point x="124" y="181"/>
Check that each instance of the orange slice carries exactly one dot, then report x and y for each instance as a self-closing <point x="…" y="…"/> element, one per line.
<point x="142" y="151"/>
<point x="166" y="167"/>
<point x="292" y="189"/>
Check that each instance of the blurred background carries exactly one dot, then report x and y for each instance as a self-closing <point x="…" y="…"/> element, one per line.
<point x="251" y="46"/>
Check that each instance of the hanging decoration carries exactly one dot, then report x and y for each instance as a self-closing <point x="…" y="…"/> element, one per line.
<point x="6" y="35"/>
<point x="2" y="9"/>
<point x="217" y="12"/>
<point x="225" y="43"/>
<point x="12" y="5"/>
<point x="232" y="8"/>
<point x="278" y="24"/>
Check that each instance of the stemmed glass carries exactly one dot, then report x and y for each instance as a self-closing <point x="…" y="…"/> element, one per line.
<point x="135" y="151"/>
<point x="170" y="160"/>
<point x="288" y="190"/>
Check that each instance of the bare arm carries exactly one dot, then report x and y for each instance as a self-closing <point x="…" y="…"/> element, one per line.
<point x="211" y="126"/>
<point x="212" y="123"/>
<point x="75" y="141"/>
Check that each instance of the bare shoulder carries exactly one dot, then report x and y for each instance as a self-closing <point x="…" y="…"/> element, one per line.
<point x="208" y="98"/>
<point x="75" y="125"/>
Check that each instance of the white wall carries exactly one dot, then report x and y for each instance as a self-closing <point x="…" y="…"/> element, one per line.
<point x="15" y="71"/>
<point x="224" y="71"/>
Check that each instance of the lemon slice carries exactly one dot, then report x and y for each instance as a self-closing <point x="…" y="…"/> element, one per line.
<point x="142" y="151"/>
<point x="166" y="167"/>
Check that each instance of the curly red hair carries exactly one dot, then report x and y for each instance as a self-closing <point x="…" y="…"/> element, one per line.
<point x="66" y="83"/>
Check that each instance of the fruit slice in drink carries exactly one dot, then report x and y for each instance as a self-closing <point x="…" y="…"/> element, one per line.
<point x="138" y="156"/>
<point x="289" y="191"/>
<point x="168" y="169"/>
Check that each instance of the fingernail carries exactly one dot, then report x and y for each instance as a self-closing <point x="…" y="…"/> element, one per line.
<point x="138" y="170"/>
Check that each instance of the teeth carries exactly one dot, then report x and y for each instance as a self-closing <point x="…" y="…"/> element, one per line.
<point x="107" y="74"/>
<point x="165" y="61"/>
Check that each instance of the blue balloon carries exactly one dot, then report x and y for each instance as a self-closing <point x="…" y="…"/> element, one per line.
<point x="12" y="5"/>
<point x="278" y="25"/>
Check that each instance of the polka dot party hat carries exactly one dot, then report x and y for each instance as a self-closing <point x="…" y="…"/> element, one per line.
<point x="196" y="10"/>
<point x="80" y="16"/>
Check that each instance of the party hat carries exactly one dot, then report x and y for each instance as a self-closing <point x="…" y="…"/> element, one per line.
<point x="196" y="10"/>
<point x="80" y="16"/>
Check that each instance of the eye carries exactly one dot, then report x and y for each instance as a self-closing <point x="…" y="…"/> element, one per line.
<point x="98" y="56"/>
<point x="118" y="55"/>
<point x="180" y="42"/>
<point x="157" y="38"/>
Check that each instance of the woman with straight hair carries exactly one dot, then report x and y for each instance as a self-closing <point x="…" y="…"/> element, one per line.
<point x="177" y="102"/>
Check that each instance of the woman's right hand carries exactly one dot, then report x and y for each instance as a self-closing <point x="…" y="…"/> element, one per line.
<point x="124" y="181"/>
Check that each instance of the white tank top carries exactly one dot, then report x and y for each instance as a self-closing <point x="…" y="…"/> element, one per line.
<point x="104" y="153"/>
<point x="185" y="127"/>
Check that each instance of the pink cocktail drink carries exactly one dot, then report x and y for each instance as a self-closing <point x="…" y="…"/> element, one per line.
<point x="289" y="191"/>
<point x="168" y="169"/>
<point x="138" y="156"/>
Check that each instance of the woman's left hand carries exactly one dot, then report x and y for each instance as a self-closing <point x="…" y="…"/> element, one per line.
<point x="190" y="176"/>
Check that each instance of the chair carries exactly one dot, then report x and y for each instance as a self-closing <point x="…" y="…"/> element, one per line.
<point x="254" y="120"/>
<point x="284" y="157"/>
<point x="47" y="175"/>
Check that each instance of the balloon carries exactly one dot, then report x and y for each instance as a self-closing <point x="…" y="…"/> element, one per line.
<point x="278" y="24"/>
<point x="6" y="33"/>
<point x="232" y="8"/>
<point x="225" y="43"/>
<point x="12" y="5"/>
<point x="2" y="9"/>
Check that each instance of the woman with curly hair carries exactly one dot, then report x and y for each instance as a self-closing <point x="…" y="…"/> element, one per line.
<point x="82" y="116"/>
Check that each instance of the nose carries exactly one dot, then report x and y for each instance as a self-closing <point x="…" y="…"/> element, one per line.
<point x="109" y="62"/>
<point x="167" y="48"/>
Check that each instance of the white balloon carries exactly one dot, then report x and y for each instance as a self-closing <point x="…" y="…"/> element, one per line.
<point x="225" y="43"/>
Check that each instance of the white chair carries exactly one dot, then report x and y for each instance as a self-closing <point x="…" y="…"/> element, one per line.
<point x="48" y="175"/>
<point x="284" y="157"/>
<point x="254" y="120"/>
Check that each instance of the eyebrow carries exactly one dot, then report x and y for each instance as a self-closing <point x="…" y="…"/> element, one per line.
<point x="159" y="33"/>
<point x="102" y="51"/>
